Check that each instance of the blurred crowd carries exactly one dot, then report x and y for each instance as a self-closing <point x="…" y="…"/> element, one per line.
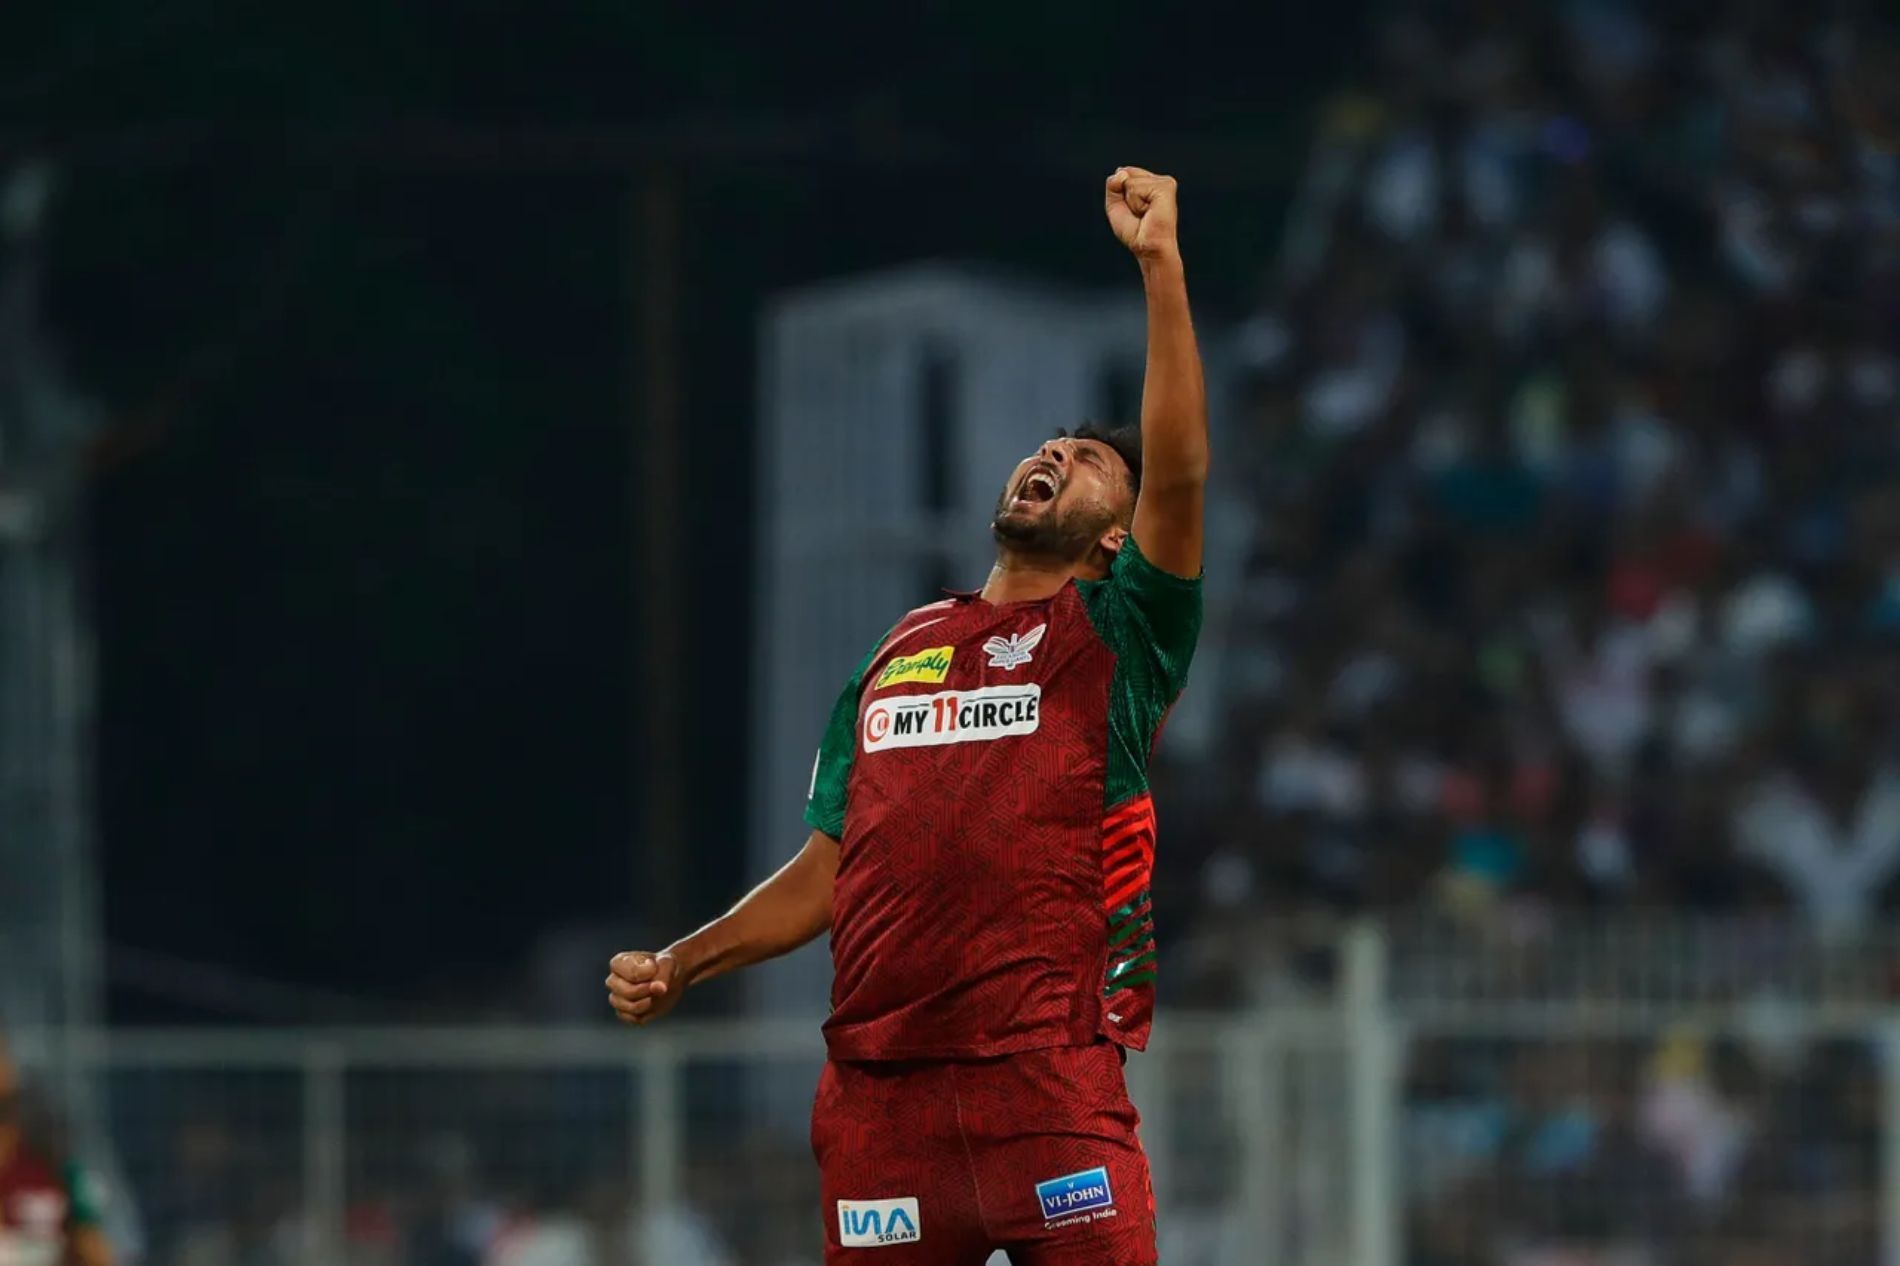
<point x="1608" y="1153"/>
<point x="1572" y="426"/>
<point x="505" y="1183"/>
<point x="1571" y="432"/>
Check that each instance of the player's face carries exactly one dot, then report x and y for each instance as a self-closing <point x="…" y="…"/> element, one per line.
<point x="1062" y="499"/>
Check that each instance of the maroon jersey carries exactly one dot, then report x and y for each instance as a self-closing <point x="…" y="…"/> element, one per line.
<point x="985" y="771"/>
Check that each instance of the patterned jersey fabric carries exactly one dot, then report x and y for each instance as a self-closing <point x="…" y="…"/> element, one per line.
<point x="985" y="771"/>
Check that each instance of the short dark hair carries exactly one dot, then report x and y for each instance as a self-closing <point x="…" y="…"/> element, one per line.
<point x="1125" y="440"/>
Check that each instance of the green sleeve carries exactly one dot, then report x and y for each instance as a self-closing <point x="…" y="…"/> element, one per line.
<point x="1150" y="617"/>
<point x="831" y="772"/>
<point x="83" y="1209"/>
<point x="1151" y="620"/>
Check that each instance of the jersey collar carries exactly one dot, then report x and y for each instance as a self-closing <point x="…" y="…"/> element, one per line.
<point x="963" y="597"/>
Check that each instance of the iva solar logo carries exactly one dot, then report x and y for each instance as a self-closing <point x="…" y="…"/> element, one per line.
<point x="875" y="1223"/>
<point x="1072" y="1194"/>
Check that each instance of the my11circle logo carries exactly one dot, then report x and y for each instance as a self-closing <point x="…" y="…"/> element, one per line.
<point x="952" y="716"/>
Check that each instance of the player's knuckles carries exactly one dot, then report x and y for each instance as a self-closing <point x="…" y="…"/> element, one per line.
<point x="633" y="966"/>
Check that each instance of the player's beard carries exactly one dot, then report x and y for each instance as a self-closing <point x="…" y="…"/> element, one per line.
<point x="1063" y="533"/>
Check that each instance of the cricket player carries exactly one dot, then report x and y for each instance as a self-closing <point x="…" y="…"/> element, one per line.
<point x="982" y="840"/>
<point x="49" y="1209"/>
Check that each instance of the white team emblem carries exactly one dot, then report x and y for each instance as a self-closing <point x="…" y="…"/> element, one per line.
<point x="1013" y="651"/>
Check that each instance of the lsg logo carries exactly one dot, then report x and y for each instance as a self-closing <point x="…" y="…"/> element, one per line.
<point x="872" y="1223"/>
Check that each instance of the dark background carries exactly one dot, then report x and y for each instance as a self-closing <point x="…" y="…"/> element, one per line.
<point x="357" y="285"/>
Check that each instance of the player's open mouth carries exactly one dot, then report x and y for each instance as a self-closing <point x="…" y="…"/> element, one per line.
<point x="1038" y="486"/>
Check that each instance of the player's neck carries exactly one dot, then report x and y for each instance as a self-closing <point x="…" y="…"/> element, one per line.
<point x="1021" y="578"/>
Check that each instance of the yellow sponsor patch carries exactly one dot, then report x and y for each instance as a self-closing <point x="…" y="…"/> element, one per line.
<point x="930" y="665"/>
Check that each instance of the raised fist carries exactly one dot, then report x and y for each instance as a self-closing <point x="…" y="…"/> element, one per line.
<point x="1142" y="210"/>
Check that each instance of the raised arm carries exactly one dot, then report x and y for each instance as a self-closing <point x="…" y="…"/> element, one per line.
<point x="1142" y="210"/>
<point x="777" y="917"/>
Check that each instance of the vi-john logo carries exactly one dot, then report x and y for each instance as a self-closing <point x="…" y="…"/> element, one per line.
<point x="1079" y="1197"/>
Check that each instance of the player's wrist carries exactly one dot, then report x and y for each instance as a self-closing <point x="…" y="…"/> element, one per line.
<point x="1161" y="263"/>
<point x="689" y="960"/>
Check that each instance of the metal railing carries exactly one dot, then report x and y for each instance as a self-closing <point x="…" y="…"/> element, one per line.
<point x="1400" y="1118"/>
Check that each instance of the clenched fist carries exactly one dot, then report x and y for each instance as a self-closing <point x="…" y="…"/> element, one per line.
<point x="1142" y="211"/>
<point x="643" y="987"/>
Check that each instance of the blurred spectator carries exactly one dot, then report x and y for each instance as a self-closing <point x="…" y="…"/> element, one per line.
<point x="551" y="1234"/>
<point x="49" y="1206"/>
<point x="1686" y="1116"/>
<point x="453" y="1224"/>
<point x="1832" y="834"/>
